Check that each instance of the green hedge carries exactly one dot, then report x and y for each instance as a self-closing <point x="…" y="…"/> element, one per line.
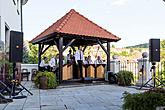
<point x="148" y="100"/>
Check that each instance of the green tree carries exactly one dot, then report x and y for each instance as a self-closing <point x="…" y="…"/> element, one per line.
<point x="25" y="54"/>
<point x="124" y="53"/>
<point x="113" y="46"/>
<point x="162" y="44"/>
<point x="33" y="54"/>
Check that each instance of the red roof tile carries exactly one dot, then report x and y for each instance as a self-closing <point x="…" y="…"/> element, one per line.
<point x="77" y="24"/>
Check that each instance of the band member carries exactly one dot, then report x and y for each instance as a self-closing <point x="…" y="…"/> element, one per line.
<point x="69" y="57"/>
<point x="86" y="60"/>
<point x="79" y="57"/>
<point x="98" y="60"/>
<point x="90" y="60"/>
<point x="52" y="63"/>
<point x="43" y="66"/>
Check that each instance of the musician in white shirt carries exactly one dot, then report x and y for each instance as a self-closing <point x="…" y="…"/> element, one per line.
<point x="98" y="60"/>
<point x="86" y="60"/>
<point x="43" y="65"/>
<point x="90" y="60"/>
<point x="52" y="63"/>
<point x="79" y="57"/>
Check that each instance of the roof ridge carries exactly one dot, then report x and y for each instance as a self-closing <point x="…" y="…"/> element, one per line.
<point x="68" y="16"/>
<point x="96" y="24"/>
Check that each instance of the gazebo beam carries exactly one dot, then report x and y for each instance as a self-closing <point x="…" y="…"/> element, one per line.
<point x="108" y="56"/>
<point x="73" y="48"/>
<point x="102" y="46"/>
<point x="60" y="59"/>
<point x="39" y="54"/>
<point x="41" y="48"/>
<point x="70" y="43"/>
<point x="84" y="49"/>
<point x="56" y="44"/>
<point x="46" y="49"/>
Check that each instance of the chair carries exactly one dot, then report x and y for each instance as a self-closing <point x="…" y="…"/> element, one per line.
<point x="34" y="72"/>
<point x="25" y="74"/>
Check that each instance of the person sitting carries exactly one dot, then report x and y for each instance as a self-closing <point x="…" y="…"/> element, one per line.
<point x="86" y="60"/>
<point x="52" y="63"/>
<point x="98" y="60"/>
<point x="90" y="60"/>
<point x="57" y="60"/>
<point x="43" y="66"/>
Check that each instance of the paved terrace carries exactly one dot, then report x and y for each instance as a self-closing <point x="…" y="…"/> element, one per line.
<point x="95" y="97"/>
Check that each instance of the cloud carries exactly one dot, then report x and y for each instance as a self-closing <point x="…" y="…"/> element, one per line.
<point x="119" y="2"/>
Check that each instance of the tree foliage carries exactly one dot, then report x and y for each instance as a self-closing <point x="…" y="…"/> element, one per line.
<point x="25" y="54"/>
<point x="33" y="54"/>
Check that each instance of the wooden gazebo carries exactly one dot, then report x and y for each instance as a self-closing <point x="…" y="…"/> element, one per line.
<point x="73" y="29"/>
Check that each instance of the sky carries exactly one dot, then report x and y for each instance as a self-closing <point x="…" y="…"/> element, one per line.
<point x="134" y="21"/>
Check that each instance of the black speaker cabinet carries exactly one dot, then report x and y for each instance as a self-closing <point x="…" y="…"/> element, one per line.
<point x="154" y="50"/>
<point x="16" y="46"/>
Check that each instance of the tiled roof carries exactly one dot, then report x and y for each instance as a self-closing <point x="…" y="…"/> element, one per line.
<point x="76" y="24"/>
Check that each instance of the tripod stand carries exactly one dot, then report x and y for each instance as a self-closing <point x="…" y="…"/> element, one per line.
<point x="154" y="78"/>
<point x="14" y="84"/>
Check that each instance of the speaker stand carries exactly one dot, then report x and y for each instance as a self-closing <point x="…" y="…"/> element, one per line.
<point x="14" y="84"/>
<point x="154" y="78"/>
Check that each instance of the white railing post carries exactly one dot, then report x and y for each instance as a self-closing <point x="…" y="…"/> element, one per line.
<point x="144" y="70"/>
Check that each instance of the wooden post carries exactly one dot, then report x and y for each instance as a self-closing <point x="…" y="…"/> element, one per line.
<point x="39" y="54"/>
<point x="108" y="56"/>
<point x="60" y="59"/>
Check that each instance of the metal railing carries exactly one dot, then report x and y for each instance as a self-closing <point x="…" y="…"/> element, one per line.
<point x="134" y="68"/>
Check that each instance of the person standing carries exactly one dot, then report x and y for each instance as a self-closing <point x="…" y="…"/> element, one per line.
<point x="79" y="57"/>
<point x="69" y="57"/>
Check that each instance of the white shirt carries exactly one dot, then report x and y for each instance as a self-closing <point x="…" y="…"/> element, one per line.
<point x="98" y="62"/>
<point x="69" y="56"/>
<point x="52" y="62"/>
<point x="57" y="61"/>
<point x="90" y="61"/>
<point x="79" y="55"/>
<point x="43" y="64"/>
<point x="85" y="62"/>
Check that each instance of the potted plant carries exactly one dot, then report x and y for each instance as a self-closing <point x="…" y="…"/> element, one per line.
<point x="45" y="80"/>
<point x="125" y="78"/>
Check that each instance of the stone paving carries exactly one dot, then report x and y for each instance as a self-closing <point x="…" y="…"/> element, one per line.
<point x="95" y="97"/>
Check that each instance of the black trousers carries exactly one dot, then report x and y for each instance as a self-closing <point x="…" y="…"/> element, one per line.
<point x="80" y="63"/>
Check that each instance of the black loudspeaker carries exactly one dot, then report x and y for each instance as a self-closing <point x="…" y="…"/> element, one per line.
<point x="154" y="50"/>
<point x="16" y="46"/>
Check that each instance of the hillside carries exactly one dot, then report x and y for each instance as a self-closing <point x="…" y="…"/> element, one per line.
<point x="145" y="45"/>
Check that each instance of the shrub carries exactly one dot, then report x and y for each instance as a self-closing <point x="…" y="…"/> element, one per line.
<point x="148" y="100"/>
<point x="125" y="78"/>
<point x="51" y="79"/>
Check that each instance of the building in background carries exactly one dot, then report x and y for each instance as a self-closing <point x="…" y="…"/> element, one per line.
<point x="10" y="19"/>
